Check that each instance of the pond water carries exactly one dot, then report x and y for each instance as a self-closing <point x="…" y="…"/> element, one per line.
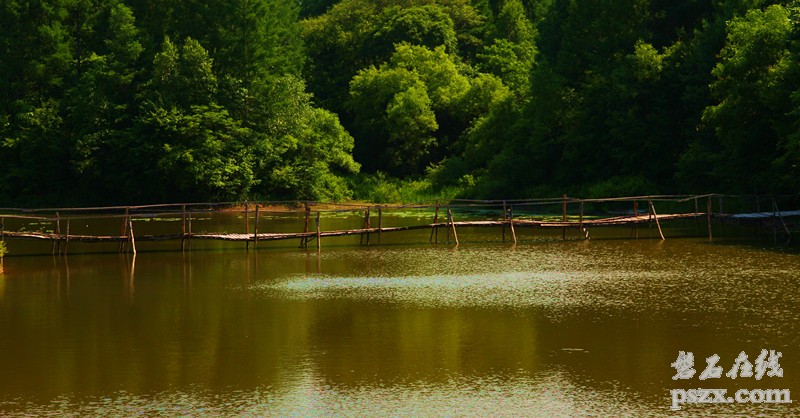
<point x="542" y="328"/>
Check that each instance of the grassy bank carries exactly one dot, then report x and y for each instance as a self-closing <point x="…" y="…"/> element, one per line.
<point x="379" y="188"/>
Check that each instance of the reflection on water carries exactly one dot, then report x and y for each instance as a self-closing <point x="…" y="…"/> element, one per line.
<point x="547" y="394"/>
<point x="548" y="329"/>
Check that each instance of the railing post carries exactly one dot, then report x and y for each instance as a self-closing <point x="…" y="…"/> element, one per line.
<point x="774" y="221"/>
<point x="709" y="209"/>
<point x="304" y="240"/>
<point x="365" y="226"/>
<point x="452" y="225"/>
<point x="655" y="215"/>
<point x="66" y="244"/>
<point x="183" y="227"/>
<point x="511" y="224"/>
<point x="189" y="225"/>
<point x="721" y="218"/>
<point x="57" y="241"/>
<point x="255" y="230"/>
<point x="133" y="240"/>
<point x="505" y="219"/>
<point x="785" y="227"/>
<point x="758" y="222"/>
<point x="247" y="224"/>
<point x="564" y="218"/>
<point x="124" y="232"/>
<point x="380" y="224"/>
<point x="434" y="228"/>
<point x="319" y="236"/>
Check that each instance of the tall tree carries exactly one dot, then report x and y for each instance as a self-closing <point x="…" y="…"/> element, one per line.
<point x="99" y="109"/>
<point x="34" y="69"/>
<point x="355" y="34"/>
<point x="512" y="53"/>
<point x="413" y="110"/>
<point x="754" y="80"/>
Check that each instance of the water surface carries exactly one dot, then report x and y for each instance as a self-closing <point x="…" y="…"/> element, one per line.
<point x="553" y="328"/>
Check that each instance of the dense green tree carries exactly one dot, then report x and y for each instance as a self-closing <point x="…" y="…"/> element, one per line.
<point x="309" y="150"/>
<point x="586" y="91"/>
<point x="35" y="62"/>
<point x="398" y="107"/>
<point x="198" y="154"/>
<point x="427" y="25"/>
<point x="99" y="108"/>
<point x="34" y="154"/>
<point x="512" y="53"/>
<point x="257" y="38"/>
<point x="197" y="150"/>
<point x="755" y="77"/>
<point x="310" y="8"/>
<point x="145" y="100"/>
<point x="355" y="34"/>
<point x="36" y="51"/>
<point x="394" y="121"/>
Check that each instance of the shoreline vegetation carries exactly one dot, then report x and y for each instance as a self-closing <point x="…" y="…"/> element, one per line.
<point x="136" y="101"/>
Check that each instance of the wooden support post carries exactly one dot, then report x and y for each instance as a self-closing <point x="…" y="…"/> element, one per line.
<point x="255" y="230"/>
<point x="655" y="215"/>
<point x="721" y="218"/>
<point x="380" y="224"/>
<point x="709" y="209"/>
<point x="366" y="226"/>
<point x="304" y="240"/>
<point x="696" y="217"/>
<point x="758" y="222"/>
<point x="580" y="224"/>
<point x="511" y="224"/>
<point x="60" y="237"/>
<point x="57" y="241"/>
<point x="635" y="223"/>
<point x="189" y="229"/>
<point x="133" y="240"/>
<point x="447" y="221"/>
<point x="183" y="228"/>
<point x="2" y="237"/>
<point x="247" y="224"/>
<point x="319" y="244"/>
<point x="124" y="231"/>
<point x="774" y="222"/>
<point x="564" y="218"/>
<point x="452" y="225"/>
<point x="66" y="244"/>
<point x="434" y="228"/>
<point x="785" y="228"/>
<point x="505" y="218"/>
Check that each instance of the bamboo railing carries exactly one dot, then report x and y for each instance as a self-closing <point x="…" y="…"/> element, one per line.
<point x="575" y="213"/>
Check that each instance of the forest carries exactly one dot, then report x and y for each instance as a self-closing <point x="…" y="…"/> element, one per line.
<point x="145" y="101"/>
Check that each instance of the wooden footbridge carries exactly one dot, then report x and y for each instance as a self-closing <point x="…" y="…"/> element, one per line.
<point x="507" y="215"/>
